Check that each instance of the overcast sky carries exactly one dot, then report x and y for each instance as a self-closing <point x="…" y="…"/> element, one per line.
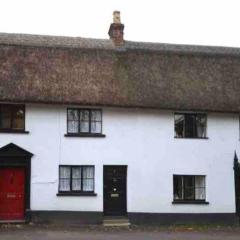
<point x="205" y="22"/>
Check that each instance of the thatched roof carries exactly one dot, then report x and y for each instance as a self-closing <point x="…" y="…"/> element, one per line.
<point x="64" y="70"/>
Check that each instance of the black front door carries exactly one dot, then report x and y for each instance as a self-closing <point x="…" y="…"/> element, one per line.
<point x="237" y="184"/>
<point x="115" y="179"/>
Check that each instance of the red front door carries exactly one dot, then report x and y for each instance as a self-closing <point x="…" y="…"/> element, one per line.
<point x="12" y="189"/>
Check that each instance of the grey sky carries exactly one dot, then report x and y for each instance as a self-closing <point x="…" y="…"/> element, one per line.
<point x="206" y="22"/>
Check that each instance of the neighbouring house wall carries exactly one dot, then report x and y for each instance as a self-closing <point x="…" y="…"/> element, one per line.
<point x="144" y="141"/>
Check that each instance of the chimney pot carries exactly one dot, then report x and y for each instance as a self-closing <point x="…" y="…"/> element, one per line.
<point x="116" y="29"/>
<point x="116" y="17"/>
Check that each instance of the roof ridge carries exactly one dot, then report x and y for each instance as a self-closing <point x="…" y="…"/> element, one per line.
<point x="25" y="39"/>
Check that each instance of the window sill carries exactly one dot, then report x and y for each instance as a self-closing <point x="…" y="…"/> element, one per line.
<point x="63" y="194"/>
<point x="190" y="202"/>
<point x="192" y="138"/>
<point x="13" y="131"/>
<point x="85" y="135"/>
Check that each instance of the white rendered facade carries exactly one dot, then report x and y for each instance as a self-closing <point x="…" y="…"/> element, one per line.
<point x="141" y="139"/>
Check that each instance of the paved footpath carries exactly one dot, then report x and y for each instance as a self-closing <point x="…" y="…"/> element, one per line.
<point x="49" y="233"/>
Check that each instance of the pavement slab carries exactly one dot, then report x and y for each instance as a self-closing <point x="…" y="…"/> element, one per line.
<point x="134" y="233"/>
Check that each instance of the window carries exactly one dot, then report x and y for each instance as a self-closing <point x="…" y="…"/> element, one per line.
<point x="190" y="125"/>
<point x="84" y="121"/>
<point x="78" y="179"/>
<point x="189" y="188"/>
<point x="12" y="118"/>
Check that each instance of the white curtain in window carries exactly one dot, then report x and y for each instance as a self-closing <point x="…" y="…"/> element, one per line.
<point x="201" y="126"/>
<point x="72" y="126"/>
<point x="72" y="114"/>
<point x="64" y="182"/>
<point x="96" y="115"/>
<point x="96" y="127"/>
<point x="84" y="126"/>
<point x="88" y="178"/>
<point x="76" y="179"/>
<point x="84" y="115"/>
<point x="200" y="188"/>
<point x="201" y="131"/>
<point x="179" y="125"/>
<point x="65" y="172"/>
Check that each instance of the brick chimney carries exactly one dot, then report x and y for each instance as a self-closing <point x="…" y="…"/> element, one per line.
<point x="116" y="29"/>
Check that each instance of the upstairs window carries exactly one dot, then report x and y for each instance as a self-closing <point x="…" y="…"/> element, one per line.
<point x="190" y="125"/>
<point x="84" y="121"/>
<point x="189" y="188"/>
<point x="12" y="118"/>
<point x="76" y="179"/>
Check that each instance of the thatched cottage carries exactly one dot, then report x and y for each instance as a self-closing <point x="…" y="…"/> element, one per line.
<point x="92" y="128"/>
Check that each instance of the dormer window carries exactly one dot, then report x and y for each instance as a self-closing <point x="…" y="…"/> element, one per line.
<point x="12" y="118"/>
<point x="84" y="122"/>
<point x="190" y="125"/>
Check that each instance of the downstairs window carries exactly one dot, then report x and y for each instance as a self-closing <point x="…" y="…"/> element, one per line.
<point x="76" y="179"/>
<point x="189" y="188"/>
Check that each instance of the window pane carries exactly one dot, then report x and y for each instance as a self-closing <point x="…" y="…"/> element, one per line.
<point x="200" y="188"/>
<point x="189" y="181"/>
<point x="200" y="181"/>
<point x="84" y="115"/>
<point x="189" y="192"/>
<point x="5" y="121"/>
<point x="84" y="121"/>
<point x="76" y="178"/>
<point x="18" y="118"/>
<point x="73" y="114"/>
<point x="84" y="127"/>
<point x="72" y="127"/>
<point x="65" y="172"/>
<point x="76" y="184"/>
<point x="88" y="172"/>
<point x="96" y="115"/>
<point x="190" y="126"/>
<point x="201" y="125"/>
<point x="64" y="179"/>
<point x="179" y="125"/>
<point x="88" y="184"/>
<point x="76" y="172"/>
<point x="200" y="194"/>
<point x="64" y="184"/>
<point x="178" y="187"/>
<point x="88" y="178"/>
<point x="96" y="127"/>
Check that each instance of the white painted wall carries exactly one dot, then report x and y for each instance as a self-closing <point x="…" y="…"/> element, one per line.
<point x="143" y="140"/>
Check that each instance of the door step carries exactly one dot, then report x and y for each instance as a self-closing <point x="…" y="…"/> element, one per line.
<point x="12" y="221"/>
<point x="116" y="221"/>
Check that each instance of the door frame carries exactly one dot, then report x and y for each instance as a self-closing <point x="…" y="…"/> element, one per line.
<point x="13" y="156"/>
<point x="126" y="167"/>
<point x="236" y="168"/>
